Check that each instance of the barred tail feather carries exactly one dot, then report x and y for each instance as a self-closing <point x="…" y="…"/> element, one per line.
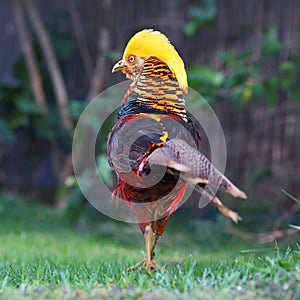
<point x="194" y="167"/>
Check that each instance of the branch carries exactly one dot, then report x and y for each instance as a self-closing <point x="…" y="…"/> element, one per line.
<point x="81" y="41"/>
<point x="264" y="237"/>
<point x="31" y="63"/>
<point x="104" y="44"/>
<point x="276" y="233"/>
<point x="268" y="237"/>
<point x="55" y="73"/>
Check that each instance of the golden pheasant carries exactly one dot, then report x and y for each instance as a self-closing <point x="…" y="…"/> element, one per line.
<point x="154" y="145"/>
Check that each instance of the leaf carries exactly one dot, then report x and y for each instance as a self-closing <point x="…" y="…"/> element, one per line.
<point x="27" y="106"/>
<point x="284" y="264"/>
<point x="271" y="44"/>
<point x="200" y="16"/>
<point x="104" y="169"/>
<point x="227" y="57"/>
<point x="76" y="107"/>
<point x="63" y="46"/>
<point x="235" y="59"/>
<point x="257" y="173"/>
<point x="247" y="93"/>
<point x="43" y="127"/>
<point x="294" y="91"/>
<point x="271" y="47"/>
<point x="70" y="181"/>
<point x="287" y="65"/>
<point x="203" y="75"/>
<point x="190" y="28"/>
<point x="290" y="78"/>
<point x="270" y="89"/>
<point x="6" y="133"/>
<point x="269" y="33"/>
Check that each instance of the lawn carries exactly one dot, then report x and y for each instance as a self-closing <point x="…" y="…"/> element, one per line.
<point x="43" y="256"/>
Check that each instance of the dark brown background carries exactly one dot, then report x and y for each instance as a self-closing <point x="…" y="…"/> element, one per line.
<point x="256" y="134"/>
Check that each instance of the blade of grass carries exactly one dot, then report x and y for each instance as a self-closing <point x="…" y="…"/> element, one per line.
<point x="259" y="250"/>
<point x="291" y="196"/>
<point x="295" y="226"/>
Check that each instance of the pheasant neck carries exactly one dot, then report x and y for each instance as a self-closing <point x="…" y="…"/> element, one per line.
<point x="158" y="88"/>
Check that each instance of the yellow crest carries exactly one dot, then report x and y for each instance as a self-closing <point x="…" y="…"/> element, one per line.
<point x="148" y="42"/>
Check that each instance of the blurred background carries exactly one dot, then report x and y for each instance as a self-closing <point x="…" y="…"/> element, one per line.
<point x="242" y="56"/>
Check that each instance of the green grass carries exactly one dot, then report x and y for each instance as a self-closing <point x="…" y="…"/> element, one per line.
<point x="42" y="256"/>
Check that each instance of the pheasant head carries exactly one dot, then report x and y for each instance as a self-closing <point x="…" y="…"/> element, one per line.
<point x="143" y="53"/>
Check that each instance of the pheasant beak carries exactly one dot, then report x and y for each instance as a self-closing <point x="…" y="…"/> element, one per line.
<point x="118" y="66"/>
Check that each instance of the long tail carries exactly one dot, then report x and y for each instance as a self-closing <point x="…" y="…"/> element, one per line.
<point x="195" y="168"/>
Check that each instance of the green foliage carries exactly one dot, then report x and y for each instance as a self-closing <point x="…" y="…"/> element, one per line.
<point x="17" y="101"/>
<point x="291" y="78"/>
<point x="270" y="43"/>
<point x="63" y="46"/>
<point x="244" y="78"/>
<point x="6" y="133"/>
<point x="200" y="16"/>
<point x="20" y="111"/>
<point x="209" y="80"/>
<point x="257" y="174"/>
<point x="104" y="169"/>
<point x="75" y="200"/>
<point x="76" y="203"/>
<point x="76" y="107"/>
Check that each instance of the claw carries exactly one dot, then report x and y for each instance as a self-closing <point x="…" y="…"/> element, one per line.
<point x="149" y="265"/>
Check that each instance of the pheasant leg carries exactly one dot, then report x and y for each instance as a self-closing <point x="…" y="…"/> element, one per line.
<point x="148" y="261"/>
<point x="154" y="243"/>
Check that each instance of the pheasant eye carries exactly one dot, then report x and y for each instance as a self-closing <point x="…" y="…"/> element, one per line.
<point x="131" y="58"/>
